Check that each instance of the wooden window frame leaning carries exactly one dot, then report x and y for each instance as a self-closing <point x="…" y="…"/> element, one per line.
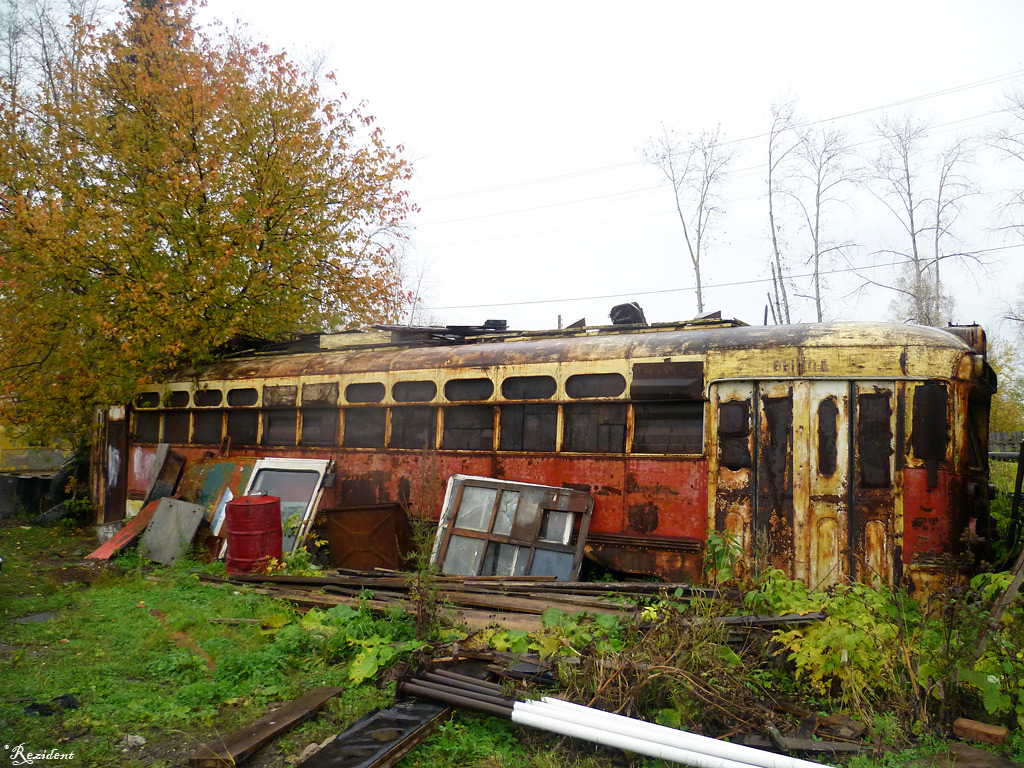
<point x="534" y="500"/>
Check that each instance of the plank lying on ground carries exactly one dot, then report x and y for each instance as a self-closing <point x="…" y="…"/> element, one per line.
<point x="240" y="744"/>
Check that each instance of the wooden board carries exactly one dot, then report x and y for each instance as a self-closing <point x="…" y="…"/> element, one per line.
<point x="242" y="743"/>
<point x="131" y="531"/>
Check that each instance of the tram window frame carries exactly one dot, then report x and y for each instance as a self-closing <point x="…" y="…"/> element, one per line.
<point x="365" y="392"/>
<point x="874" y="409"/>
<point x="594" y="427"/>
<point x="319" y="414"/>
<point x="668" y="381"/>
<point x="468" y="428"/>
<point x="243" y="426"/>
<point x="673" y="427"/>
<point x="539" y="387"/>
<point x="529" y="427"/>
<point x="205" y="420"/>
<point x="282" y="396"/>
<point x="147" y="400"/>
<point x="364" y="427"/>
<point x="590" y="386"/>
<point x="418" y="391"/>
<point x="147" y="427"/>
<point x="279" y="426"/>
<point x="470" y="390"/>
<point x="828" y="436"/>
<point x="177" y="427"/>
<point x="177" y="398"/>
<point x="413" y="427"/>
<point x="734" y="435"/>
<point x="243" y="397"/>
<point x="208" y="398"/>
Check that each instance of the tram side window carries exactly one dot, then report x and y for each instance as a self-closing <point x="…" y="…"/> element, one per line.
<point x="279" y="426"/>
<point x="176" y="425"/>
<point x="209" y="426"/>
<point x="319" y="414"/>
<point x="673" y="427"/>
<point x="147" y="426"/>
<point x="468" y="428"/>
<point x="733" y="434"/>
<point x="874" y="440"/>
<point x="364" y="427"/>
<point x="931" y="421"/>
<point x="413" y="427"/>
<point x="242" y="426"/>
<point x="828" y="436"/>
<point x="594" y="427"/>
<point x="529" y="427"/>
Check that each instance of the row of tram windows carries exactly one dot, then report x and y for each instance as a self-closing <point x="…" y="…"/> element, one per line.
<point x="664" y="415"/>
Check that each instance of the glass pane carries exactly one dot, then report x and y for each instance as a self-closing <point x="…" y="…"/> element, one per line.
<point x="549" y="563"/>
<point x="208" y="428"/>
<point x="242" y="427"/>
<point x="319" y="426"/>
<point x="177" y="399"/>
<point x="506" y="513"/>
<point x="468" y="428"/>
<point x="147" y="400"/>
<point x="295" y="488"/>
<point x="528" y="387"/>
<point x="247" y="396"/>
<point x="147" y="427"/>
<point x="674" y="427"/>
<point x="279" y="427"/>
<point x="475" y="508"/>
<point x="463" y="556"/>
<point x="364" y="427"/>
<point x="414" y="391"/>
<point x="468" y="389"/>
<point x="320" y="394"/>
<point x="414" y="426"/>
<point x="370" y="392"/>
<point x="595" y="385"/>
<point x="209" y="398"/>
<point x="176" y="427"/>
<point x="280" y="396"/>
<point x="554" y="526"/>
<point x="505" y="560"/>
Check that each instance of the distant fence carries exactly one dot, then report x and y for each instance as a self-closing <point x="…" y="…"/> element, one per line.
<point x="1004" y="446"/>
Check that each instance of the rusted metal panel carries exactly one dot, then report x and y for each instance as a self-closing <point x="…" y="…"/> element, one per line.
<point x="877" y="552"/>
<point x="927" y="523"/>
<point x="826" y="525"/>
<point x="666" y="497"/>
<point x="364" y="538"/>
<point x="116" y="465"/>
<point x="774" y="514"/>
<point x="732" y="421"/>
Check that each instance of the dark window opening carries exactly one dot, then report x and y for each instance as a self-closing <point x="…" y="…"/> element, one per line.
<point x="176" y="425"/>
<point x="147" y="400"/>
<point x="458" y="390"/>
<point x="177" y="398"/>
<point x="414" y="391"/>
<point x="324" y="393"/>
<point x="280" y="397"/>
<point x="368" y="392"/>
<point x="147" y="426"/>
<point x="978" y="409"/>
<point x="532" y="427"/>
<point x="209" y="427"/>
<point x="242" y="426"/>
<point x="667" y="381"/>
<point x="319" y="425"/>
<point x="734" y="434"/>
<point x="931" y="422"/>
<point x="279" y="426"/>
<point x="595" y="385"/>
<point x="468" y="428"/>
<point x="595" y="428"/>
<point x="828" y="436"/>
<point x="208" y="398"/>
<point x="874" y="439"/>
<point x="364" y="427"/>
<point x="243" y="397"/>
<point x="528" y="388"/>
<point x="414" y="427"/>
<point x="668" y="427"/>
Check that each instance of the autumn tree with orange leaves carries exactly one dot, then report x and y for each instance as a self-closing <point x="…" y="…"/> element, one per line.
<point x="169" y="191"/>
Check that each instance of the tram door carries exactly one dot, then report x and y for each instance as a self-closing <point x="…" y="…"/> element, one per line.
<point x="781" y="475"/>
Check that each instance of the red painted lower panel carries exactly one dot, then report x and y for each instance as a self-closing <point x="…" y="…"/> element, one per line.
<point x="927" y="527"/>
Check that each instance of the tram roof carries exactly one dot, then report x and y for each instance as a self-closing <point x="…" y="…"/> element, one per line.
<point x="353" y="353"/>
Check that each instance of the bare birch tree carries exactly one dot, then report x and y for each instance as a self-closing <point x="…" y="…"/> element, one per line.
<point x="782" y="143"/>
<point x="927" y="211"/>
<point x="825" y="170"/>
<point x="1009" y="140"/>
<point x="694" y="167"/>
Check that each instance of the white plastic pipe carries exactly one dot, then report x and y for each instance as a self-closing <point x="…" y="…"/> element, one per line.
<point x="532" y="718"/>
<point x="581" y="715"/>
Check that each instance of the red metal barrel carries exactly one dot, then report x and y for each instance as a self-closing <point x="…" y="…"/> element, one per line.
<point x="254" y="533"/>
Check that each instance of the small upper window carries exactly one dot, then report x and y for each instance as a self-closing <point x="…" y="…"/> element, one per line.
<point x="208" y="398"/>
<point x="246" y="396"/>
<point x="325" y="393"/>
<point x="458" y="390"/>
<point x="280" y="397"/>
<point x="528" y="388"/>
<point x="667" y="381"/>
<point x="414" y="391"/>
<point x="595" y="385"/>
<point x="177" y="398"/>
<point x="148" y="400"/>
<point x="367" y="392"/>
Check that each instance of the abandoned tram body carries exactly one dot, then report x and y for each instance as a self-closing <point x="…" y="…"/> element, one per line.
<point x="833" y="451"/>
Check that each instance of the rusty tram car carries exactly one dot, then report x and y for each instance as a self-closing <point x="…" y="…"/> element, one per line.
<point x="852" y="451"/>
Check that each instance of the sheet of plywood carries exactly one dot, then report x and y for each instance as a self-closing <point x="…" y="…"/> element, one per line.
<point x="171" y="530"/>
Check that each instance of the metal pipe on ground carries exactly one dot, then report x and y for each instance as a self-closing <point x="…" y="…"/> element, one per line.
<point x="461" y="684"/>
<point x="691" y="742"/>
<point x="467" y="679"/>
<point x="460" y="699"/>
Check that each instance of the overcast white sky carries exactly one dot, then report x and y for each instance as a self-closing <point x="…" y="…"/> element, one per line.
<point x="524" y="121"/>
